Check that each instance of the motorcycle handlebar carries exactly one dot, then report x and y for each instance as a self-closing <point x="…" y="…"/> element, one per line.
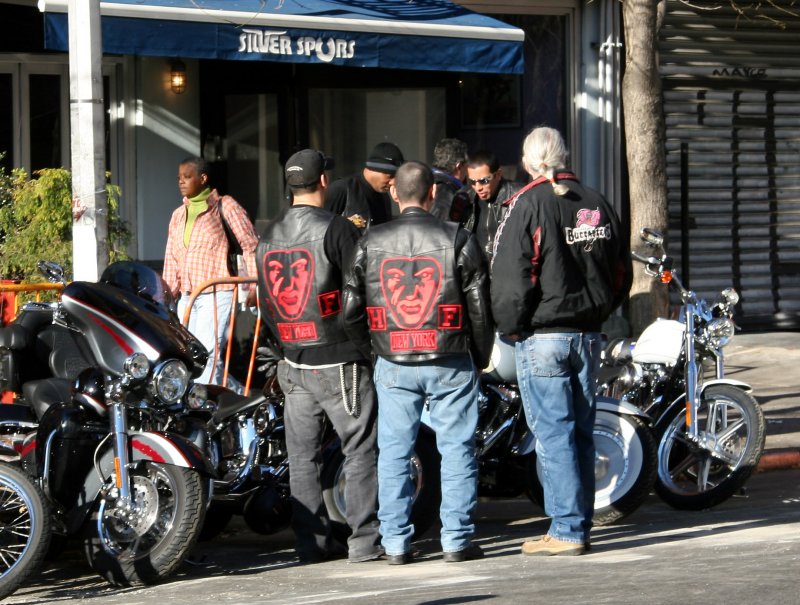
<point x="647" y="260"/>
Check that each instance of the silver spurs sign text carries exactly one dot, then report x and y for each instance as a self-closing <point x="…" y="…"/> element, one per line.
<point x="268" y="42"/>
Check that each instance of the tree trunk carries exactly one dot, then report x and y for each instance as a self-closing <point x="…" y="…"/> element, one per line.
<point x="646" y="152"/>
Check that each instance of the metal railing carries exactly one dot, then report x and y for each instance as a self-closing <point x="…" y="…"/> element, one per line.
<point x="13" y="300"/>
<point x="212" y="285"/>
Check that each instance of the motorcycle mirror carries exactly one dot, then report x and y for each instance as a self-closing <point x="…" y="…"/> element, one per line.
<point x="651" y="237"/>
<point x="53" y="272"/>
<point x="730" y="296"/>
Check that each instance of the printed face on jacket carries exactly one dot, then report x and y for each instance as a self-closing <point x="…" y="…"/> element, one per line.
<point x="410" y="287"/>
<point x="289" y="275"/>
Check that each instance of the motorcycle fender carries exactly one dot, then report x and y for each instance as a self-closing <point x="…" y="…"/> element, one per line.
<point x="164" y="448"/>
<point x="734" y="383"/>
<point x="9" y="454"/>
<point x="528" y="443"/>
<point x="168" y="448"/>
<point x="615" y="406"/>
<point x="680" y="401"/>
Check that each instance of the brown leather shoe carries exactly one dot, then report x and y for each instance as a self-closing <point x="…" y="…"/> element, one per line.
<point x="549" y="546"/>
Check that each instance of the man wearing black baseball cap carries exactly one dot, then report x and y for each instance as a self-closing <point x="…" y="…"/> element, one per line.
<point x="300" y="261"/>
<point x="363" y="198"/>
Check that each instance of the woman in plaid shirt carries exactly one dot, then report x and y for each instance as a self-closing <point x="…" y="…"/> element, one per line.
<point x="197" y="251"/>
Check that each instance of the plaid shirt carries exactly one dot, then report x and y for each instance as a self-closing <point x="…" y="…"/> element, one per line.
<point x="207" y="255"/>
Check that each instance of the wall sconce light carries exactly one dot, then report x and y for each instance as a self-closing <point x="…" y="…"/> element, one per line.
<point x="177" y="77"/>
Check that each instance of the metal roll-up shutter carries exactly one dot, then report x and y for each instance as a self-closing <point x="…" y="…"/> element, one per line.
<point x="732" y="107"/>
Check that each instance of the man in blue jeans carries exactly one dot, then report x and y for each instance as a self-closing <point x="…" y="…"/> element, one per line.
<point x="419" y="286"/>
<point x="565" y="267"/>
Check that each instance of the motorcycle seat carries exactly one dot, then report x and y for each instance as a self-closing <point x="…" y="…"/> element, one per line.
<point x="230" y="403"/>
<point x="41" y="394"/>
<point x="15" y="337"/>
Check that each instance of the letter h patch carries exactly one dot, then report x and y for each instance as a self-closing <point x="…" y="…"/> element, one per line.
<point x="377" y="318"/>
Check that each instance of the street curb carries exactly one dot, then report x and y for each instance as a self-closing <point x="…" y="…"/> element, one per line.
<point x="774" y="460"/>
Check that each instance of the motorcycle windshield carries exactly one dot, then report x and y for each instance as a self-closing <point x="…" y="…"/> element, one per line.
<point x="119" y="321"/>
<point x="137" y="278"/>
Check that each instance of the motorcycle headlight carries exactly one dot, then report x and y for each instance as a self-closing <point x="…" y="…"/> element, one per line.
<point x="170" y="379"/>
<point x="197" y="399"/>
<point x="137" y="366"/>
<point x="720" y="331"/>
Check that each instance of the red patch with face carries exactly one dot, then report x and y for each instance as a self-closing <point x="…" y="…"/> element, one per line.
<point x="410" y="287"/>
<point x="289" y="275"/>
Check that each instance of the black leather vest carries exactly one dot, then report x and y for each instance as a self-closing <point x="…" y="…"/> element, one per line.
<point x="415" y="306"/>
<point x="299" y="289"/>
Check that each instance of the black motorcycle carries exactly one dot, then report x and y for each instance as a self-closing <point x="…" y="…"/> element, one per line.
<point x="96" y="375"/>
<point x="245" y="437"/>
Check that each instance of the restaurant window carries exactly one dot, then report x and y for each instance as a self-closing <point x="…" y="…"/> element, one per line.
<point x="46" y="122"/>
<point x="6" y="121"/>
<point x="347" y="123"/>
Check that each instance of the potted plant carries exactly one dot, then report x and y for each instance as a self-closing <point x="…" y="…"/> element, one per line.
<point x="36" y="222"/>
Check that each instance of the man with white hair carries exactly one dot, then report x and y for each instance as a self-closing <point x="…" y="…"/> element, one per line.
<point x="566" y="267"/>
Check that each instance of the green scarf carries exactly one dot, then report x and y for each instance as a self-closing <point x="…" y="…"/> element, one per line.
<point x="197" y="205"/>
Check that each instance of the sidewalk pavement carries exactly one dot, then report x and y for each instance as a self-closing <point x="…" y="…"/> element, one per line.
<point x="768" y="361"/>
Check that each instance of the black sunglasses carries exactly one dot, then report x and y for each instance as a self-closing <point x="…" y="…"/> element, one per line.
<point x="483" y="180"/>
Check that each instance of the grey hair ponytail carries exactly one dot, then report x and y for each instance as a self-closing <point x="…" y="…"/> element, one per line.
<point x="543" y="153"/>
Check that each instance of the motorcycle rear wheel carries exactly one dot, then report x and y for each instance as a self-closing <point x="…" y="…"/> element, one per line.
<point x="25" y="529"/>
<point x="423" y="471"/>
<point x="689" y="476"/>
<point x="173" y="501"/>
<point x="626" y="460"/>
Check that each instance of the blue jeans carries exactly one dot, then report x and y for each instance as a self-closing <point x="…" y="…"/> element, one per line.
<point x="556" y="373"/>
<point x="449" y="386"/>
<point x="311" y="395"/>
<point x="201" y="324"/>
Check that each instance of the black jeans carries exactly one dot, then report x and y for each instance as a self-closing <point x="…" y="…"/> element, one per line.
<point x="311" y="395"/>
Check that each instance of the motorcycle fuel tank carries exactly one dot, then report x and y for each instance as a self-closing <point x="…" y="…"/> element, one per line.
<point x="660" y="342"/>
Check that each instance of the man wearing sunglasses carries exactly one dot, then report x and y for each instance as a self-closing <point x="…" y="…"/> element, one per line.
<point x="488" y="189"/>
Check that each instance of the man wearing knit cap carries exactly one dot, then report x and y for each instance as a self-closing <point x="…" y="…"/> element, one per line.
<point x="363" y="198"/>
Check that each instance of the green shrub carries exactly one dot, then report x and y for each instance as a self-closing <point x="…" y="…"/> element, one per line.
<point x="36" y="222"/>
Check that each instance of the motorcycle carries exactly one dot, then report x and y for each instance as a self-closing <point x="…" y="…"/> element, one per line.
<point x="625" y="452"/>
<point x="625" y="460"/>
<point x="246" y="438"/>
<point x="96" y="374"/>
<point x="25" y="527"/>
<point x="710" y="432"/>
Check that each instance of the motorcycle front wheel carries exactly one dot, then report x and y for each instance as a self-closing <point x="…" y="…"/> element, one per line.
<point x="423" y="471"/>
<point x="146" y="545"/>
<point x="625" y="467"/>
<point x="25" y="528"/>
<point x="699" y="475"/>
